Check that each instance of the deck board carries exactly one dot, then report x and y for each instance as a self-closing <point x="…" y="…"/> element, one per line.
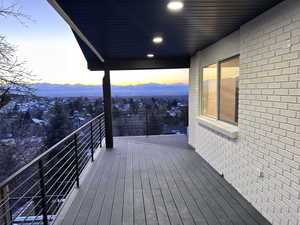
<point x="87" y="202"/>
<point x="200" y="204"/>
<point x="150" y="211"/>
<point x="139" y="207"/>
<point x="212" y="211"/>
<point x="160" y="205"/>
<point x="128" y="218"/>
<point x="157" y="180"/>
<point x="180" y="203"/>
<point x="95" y="211"/>
<point x="232" y="206"/>
<point x="117" y="210"/>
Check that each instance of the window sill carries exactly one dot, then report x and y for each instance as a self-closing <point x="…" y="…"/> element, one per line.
<point x="226" y="129"/>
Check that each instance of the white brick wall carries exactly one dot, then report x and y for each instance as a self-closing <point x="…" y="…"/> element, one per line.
<point x="269" y="113"/>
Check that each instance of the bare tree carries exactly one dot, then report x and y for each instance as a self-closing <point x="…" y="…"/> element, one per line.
<point x="14" y="77"/>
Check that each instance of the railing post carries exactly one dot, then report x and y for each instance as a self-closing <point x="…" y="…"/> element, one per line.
<point x="43" y="193"/>
<point x="76" y="160"/>
<point x="147" y="123"/>
<point x="100" y="126"/>
<point x="4" y="210"/>
<point x="92" y="142"/>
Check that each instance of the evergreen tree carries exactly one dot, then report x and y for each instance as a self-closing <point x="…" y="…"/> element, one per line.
<point x="70" y="108"/>
<point x="7" y="161"/>
<point x="27" y="116"/>
<point x="16" y="108"/>
<point x="78" y="104"/>
<point x="98" y="108"/>
<point x="90" y="109"/>
<point x="59" y="126"/>
<point x="39" y="114"/>
<point x="174" y="103"/>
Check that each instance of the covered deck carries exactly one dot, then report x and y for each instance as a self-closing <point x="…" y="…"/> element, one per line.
<point x="154" y="180"/>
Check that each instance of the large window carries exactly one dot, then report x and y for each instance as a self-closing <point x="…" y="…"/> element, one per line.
<point x="209" y="91"/>
<point x="220" y="90"/>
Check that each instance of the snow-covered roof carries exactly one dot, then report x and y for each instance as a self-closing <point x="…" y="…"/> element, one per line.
<point x="38" y="121"/>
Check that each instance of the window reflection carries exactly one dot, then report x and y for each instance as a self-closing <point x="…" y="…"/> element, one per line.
<point x="209" y="91"/>
<point x="229" y="78"/>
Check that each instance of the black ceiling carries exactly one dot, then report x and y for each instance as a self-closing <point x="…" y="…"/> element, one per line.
<point x="122" y="30"/>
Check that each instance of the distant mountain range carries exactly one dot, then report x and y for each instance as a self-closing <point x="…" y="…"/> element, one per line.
<point x="78" y="90"/>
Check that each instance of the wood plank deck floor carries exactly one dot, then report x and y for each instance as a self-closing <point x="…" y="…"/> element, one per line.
<point x="156" y="180"/>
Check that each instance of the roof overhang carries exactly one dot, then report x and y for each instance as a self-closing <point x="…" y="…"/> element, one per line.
<point x="117" y="34"/>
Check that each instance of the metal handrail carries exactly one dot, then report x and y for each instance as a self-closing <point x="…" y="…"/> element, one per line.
<point x="41" y="156"/>
<point x="61" y="163"/>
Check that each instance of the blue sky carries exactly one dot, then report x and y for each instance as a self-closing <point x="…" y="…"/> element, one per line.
<point x="52" y="53"/>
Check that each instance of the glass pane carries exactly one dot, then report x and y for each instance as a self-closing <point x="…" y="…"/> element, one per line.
<point x="229" y="89"/>
<point x="209" y="91"/>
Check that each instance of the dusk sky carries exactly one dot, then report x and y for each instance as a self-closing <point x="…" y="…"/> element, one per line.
<point x="52" y="53"/>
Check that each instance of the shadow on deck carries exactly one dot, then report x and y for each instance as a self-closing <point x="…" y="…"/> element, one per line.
<point x="155" y="180"/>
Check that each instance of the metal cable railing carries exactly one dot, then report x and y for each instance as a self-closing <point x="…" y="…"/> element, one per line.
<point x="149" y="122"/>
<point x="35" y="193"/>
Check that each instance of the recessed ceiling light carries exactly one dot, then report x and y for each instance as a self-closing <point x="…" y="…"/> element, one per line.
<point x="150" y="55"/>
<point x="175" y="5"/>
<point x="158" y="40"/>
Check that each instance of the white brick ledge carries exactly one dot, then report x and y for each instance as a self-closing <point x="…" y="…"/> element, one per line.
<point x="226" y="129"/>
